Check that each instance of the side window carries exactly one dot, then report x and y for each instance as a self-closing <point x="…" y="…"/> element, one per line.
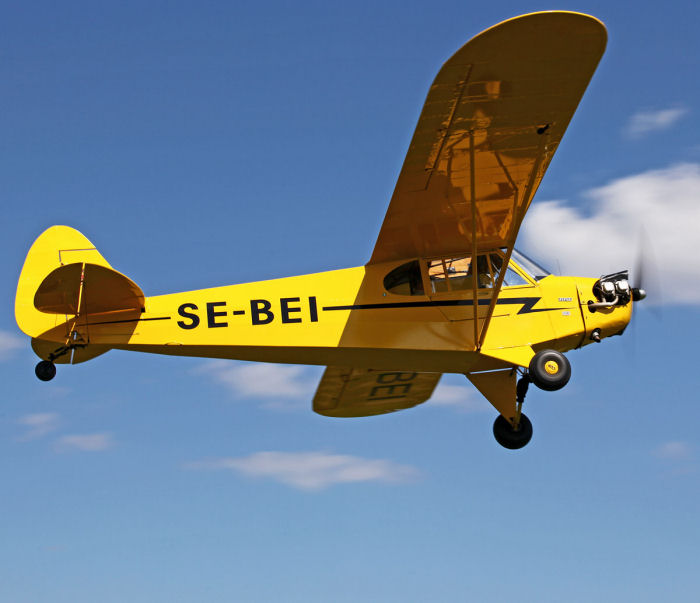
<point x="512" y="278"/>
<point x="455" y="274"/>
<point x="405" y="280"/>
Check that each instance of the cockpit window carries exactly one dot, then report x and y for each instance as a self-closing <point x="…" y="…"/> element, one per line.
<point x="531" y="267"/>
<point x="405" y="280"/>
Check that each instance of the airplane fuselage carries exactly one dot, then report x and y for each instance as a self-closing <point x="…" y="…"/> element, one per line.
<point x="345" y="317"/>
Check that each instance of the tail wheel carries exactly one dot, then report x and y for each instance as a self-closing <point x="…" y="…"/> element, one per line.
<point x="45" y="370"/>
<point x="511" y="438"/>
<point x="550" y="370"/>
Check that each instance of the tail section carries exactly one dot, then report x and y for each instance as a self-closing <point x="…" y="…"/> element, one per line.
<point x="65" y="287"/>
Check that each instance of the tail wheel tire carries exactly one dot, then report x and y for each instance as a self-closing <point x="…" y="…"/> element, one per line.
<point x="550" y="370"/>
<point x="510" y="438"/>
<point x="45" y="370"/>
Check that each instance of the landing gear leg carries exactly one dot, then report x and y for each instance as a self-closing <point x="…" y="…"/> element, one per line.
<point x="45" y="370"/>
<point x="518" y="434"/>
<point x="520" y="393"/>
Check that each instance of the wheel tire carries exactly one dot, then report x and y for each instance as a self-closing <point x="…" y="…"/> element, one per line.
<point x="507" y="437"/>
<point x="550" y="370"/>
<point x="45" y="370"/>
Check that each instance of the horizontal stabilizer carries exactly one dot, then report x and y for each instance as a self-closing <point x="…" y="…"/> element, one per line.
<point x="87" y="289"/>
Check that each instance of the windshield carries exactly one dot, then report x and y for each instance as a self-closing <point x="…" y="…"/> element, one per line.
<point x="532" y="268"/>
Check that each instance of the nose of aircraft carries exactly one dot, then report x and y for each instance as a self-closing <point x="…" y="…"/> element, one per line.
<point x="638" y="294"/>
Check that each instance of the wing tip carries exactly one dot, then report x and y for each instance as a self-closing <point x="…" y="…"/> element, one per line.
<point x="553" y="14"/>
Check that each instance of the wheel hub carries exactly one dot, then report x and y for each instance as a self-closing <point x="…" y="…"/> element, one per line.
<point x="551" y="367"/>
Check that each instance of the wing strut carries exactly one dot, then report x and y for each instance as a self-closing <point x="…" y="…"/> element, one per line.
<point x="515" y="225"/>
<point x="475" y="282"/>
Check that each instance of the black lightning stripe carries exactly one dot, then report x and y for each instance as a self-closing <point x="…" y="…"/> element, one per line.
<point x="527" y="304"/>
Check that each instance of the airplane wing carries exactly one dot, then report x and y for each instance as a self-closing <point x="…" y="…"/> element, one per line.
<point x="353" y="392"/>
<point x="492" y="121"/>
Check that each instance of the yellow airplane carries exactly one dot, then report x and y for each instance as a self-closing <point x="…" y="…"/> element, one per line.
<point x="444" y="291"/>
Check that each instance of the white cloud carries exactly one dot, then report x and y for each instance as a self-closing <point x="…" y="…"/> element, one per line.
<point x="10" y="343"/>
<point x="674" y="451"/>
<point x="38" y="425"/>
<point x="665" y="204"/>
<point x="276" y="384"/>
<point x="645" y="122"/>
<point x="312" y="470"/>
<point x="459" y="397"/>
<point x="91" y="442"/>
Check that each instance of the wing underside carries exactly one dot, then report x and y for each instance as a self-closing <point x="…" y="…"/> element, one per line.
<point x="493" y="118"/>
<point x="353" y="392"/>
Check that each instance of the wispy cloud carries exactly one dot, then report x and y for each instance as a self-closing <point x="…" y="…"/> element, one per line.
<point x="605" y="238"/>
<point x="89" y="442"/>
<point x="277" y="385"/>
<point x="9" y="344"/>
<point x="312" y="470"/>
<point x="645" y="122"/>
<point x="38" y="425"/>
<point x="678" y="457"/>
<point x="459" y="397"/>
<point x="674" y="451"/>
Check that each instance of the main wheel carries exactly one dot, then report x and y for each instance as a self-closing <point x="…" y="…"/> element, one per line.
<point x="511" y="438"/>
<point x="45" y="370"/>
<point x="550" y="370"/>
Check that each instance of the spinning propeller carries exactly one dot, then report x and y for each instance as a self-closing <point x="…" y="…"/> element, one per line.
<point x="646" y="275"/>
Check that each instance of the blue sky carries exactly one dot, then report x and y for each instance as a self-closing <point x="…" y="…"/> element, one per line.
<point x="220" y="143"/>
